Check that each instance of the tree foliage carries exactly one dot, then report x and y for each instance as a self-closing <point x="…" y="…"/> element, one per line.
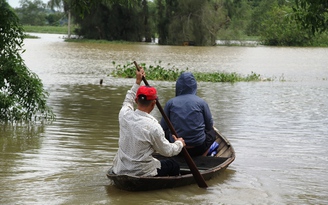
<point x="279" y="30"/>
<point x="259" y="14"/>
<point x="312" y="14"/>
<point x="32" y="12"/>
<point x="196" y="22"/>
<point x="36" y="13"/>
<point x="191" y="21"/>
<point x="275" y="23"/>
<point x="22" y="96"/>
<point x="113" y="21"/>
<point x="238" y="19"/>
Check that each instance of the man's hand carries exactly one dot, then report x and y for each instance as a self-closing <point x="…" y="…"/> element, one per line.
<point x="179" y="139"/>
<point x="139" y="74"/>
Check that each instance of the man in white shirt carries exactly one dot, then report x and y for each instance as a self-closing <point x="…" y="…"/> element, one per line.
<point x="141" y="135"/>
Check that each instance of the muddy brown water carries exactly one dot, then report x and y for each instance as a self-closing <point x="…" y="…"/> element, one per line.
<point x="279" y="129"/>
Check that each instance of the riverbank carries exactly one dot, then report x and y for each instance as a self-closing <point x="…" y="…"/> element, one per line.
<point x="245" y="41"/>
<point x="319" y="41"/>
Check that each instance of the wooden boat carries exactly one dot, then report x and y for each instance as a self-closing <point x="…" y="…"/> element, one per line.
<point x="208" y="166"/>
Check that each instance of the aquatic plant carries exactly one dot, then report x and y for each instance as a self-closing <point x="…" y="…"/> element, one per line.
<point x="158" y="72"/>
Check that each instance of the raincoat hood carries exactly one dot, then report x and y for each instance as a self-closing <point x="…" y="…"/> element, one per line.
<point x="186" y="84"/>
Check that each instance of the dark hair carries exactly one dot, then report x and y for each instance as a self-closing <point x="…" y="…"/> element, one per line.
<point x="142" y="100"/>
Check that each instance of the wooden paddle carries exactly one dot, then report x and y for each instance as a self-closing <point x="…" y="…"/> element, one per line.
<point x="198" y="177"/>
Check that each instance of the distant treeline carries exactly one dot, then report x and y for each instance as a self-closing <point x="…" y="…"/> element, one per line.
<point x="189" y="22"/>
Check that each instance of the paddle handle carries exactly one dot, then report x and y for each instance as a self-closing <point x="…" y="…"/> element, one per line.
<point x="192" y="166"/>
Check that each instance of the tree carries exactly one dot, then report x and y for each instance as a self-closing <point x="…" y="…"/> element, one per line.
<point x="68" y="5"/>
<point x="193" y="21"/>
<point x="163" y="19"/>
<point x="32" y="12"/>
<point x="259" y="14"/>
<point x="22" y="96"/>
<point x="279" y="30"/>
<point x="146" y="26"/>
<point x="312" y="14"/>
<point x="238" y="19"/>
<point x="82" y="10"/>
<point x="114" y="20"/>
<point x="63" y="4"/>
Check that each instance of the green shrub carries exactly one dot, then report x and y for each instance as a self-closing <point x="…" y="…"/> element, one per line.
<point x="22" y="96"/>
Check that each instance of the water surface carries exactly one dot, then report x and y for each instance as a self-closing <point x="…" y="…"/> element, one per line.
<point x="278" y="129"/>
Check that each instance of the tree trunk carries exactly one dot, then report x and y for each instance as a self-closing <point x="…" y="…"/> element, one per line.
<point x="69" y="25"/>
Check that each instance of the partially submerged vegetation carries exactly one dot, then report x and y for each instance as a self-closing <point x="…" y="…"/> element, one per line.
<point x="160" y="73"/>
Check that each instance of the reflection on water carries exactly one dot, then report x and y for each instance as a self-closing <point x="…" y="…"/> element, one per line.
<point x="278" y="129"/>
<point x="181" y="195"/>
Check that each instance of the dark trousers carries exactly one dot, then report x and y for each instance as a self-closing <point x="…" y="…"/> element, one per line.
<point x="201" y="149"/>
<point x="169" y="167"/>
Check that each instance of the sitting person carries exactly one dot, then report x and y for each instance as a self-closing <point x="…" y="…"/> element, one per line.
<point x="141" y="135"/>
<point x="190" y="116"/>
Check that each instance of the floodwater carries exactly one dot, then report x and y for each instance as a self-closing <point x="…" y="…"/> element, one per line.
<point x="279" y="129"/>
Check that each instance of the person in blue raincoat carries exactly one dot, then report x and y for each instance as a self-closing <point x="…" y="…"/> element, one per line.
<point x="190" y="116"/>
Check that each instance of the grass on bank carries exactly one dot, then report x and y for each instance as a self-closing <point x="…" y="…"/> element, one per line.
<point x="49" y="29"/>
<point x="160" y="73"/>
<point x="84" y="40"/>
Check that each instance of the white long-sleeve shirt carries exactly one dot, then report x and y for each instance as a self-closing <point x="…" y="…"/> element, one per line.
<point x="140" y="136"/>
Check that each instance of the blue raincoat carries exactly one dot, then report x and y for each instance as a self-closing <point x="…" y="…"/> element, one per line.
<point x="189" y="114"/>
